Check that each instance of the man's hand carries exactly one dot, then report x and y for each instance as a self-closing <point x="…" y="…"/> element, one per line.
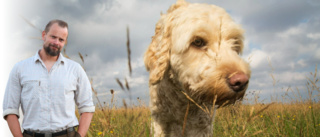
<point x="84" y="123"/>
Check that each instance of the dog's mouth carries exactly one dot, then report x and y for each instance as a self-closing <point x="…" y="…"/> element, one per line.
<point x="227" y="90"/>
<point x="222" y="99"/>
<point x="219" y="97"/>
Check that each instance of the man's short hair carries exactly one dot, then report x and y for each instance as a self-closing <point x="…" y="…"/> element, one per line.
<point x="61" y="23"/>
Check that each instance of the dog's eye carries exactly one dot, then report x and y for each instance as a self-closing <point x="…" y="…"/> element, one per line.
<point x="198" y="42"/>
<point x="236" y="49"/>
<point x="236" y="42"/>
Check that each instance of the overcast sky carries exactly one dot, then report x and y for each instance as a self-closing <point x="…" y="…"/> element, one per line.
<point x="281" y="37"/>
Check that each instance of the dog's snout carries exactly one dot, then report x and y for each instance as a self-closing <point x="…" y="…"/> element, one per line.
<point x="238" y="81"/>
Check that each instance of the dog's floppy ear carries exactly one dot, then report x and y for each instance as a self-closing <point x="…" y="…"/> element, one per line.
<point x="157" y="56"/>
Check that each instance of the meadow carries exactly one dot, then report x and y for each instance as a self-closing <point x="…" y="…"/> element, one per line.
<point x="238" y="120"/>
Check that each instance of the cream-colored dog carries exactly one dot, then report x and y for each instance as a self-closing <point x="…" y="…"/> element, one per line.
<point x="194" y="61"/>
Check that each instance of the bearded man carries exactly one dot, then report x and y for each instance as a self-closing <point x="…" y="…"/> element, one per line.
<point x="48" y="86"/>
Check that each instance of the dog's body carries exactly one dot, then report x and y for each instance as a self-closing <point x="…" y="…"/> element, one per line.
<point x="194" y="62"/>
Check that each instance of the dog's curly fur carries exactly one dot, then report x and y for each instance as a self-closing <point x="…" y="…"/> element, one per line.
<point x="195" y="50"/>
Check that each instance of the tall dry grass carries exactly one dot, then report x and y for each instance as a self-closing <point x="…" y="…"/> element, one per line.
<point x="134" y="121"/>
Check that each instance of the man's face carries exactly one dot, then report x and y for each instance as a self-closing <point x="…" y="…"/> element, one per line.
<point x="54" y="40"/>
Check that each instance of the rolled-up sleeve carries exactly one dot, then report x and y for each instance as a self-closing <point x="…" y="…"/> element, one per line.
<point x="11" y="101"/>
<point x="83" y="96"/>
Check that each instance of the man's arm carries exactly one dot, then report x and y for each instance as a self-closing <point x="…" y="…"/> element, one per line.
<point x="11" y="102"/>
<point x="84" y="101"/>
<point x="14" y="125"/>
<point x="84" y="123"/>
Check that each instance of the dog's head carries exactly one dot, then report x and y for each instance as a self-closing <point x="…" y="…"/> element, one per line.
<point x="199" y="46"/>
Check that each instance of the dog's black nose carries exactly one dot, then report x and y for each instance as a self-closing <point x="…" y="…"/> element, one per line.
<point x="238" y="81"/>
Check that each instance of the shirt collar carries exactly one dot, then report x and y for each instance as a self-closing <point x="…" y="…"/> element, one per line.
<point x="61" y="58"/>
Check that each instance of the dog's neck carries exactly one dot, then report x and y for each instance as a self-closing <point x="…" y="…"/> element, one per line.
<point x="169" y="109"/>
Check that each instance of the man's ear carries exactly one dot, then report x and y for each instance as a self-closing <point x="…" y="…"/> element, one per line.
<point x="44" y="35"/>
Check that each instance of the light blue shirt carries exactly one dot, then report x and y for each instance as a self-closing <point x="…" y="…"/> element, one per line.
<point x="48" y="99"/>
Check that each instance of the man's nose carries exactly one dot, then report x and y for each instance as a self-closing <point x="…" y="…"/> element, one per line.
<point x="56" y="41"/>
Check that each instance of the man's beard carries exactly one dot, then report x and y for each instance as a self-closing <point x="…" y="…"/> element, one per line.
<point x="51" y="52"/>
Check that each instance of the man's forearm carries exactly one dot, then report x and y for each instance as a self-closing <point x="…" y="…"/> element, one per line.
<point x="14" y="125"/>
<point x="84" y="123"/>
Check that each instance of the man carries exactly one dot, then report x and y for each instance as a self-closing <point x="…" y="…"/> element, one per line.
<point x="47" y="86"/>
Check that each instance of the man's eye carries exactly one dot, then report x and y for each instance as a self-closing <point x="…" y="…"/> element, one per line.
<point x="198" y="42"/>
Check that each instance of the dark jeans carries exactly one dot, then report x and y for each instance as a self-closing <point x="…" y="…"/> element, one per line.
<point x="70" y="134"/>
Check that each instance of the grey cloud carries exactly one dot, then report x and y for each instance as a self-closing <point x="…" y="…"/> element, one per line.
<point x="279" y="15"/>
<point x="80" y="10"/>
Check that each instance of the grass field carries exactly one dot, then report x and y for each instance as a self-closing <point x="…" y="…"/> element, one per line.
<point x="297" y="117"/>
